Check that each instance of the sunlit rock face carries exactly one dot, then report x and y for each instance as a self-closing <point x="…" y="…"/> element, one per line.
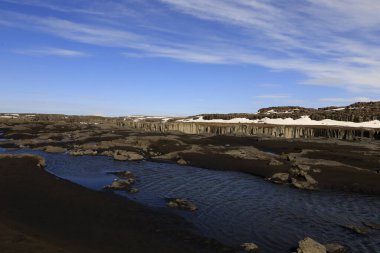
<point x="356" y="121"/>
<point x="344" y="133"/>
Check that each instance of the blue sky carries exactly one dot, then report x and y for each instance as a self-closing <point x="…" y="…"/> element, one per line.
<point x="185" y="57"/>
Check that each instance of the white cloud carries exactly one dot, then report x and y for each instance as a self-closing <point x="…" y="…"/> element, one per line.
<point x="50" y="52"/>
<point x="269" y="85"/>
<point x="345" y="100"/>
<point x="273" y="96"/>
<point x="331" y="43"/>
<point x="53" y="5"/>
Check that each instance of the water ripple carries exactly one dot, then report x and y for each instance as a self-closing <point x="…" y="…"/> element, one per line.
<point x="235" y="207"/>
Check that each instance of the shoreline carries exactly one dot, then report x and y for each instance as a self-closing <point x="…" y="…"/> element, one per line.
<point x="335" y="165"/>
<point x="351" y="166"/>
<point x="39" y="210"/>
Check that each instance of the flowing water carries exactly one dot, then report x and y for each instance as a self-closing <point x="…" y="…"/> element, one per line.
<point x="1" y="136"/>
<point x="234" y="207"/>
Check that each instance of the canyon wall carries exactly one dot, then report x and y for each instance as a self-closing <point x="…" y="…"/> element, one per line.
<point x="343" y="133"/>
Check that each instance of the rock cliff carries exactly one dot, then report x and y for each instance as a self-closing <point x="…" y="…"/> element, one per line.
<point x="343" y="133"/>
<point x="357" y="112"/>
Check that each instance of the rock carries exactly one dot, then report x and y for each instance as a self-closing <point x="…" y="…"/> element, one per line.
<point x="290" y="157"/>
<point x="358" y="114"/>
<point x="301" y="179"/>
<point x="151" y="153"/>
<point x="372" y="225"/>
<point x="40" y="160"/>
<point x="83" y="152"/>
<point x="21" y="128"/>
<point x="280" y="178"/>
<point x="122" y="185"/>
<point x="90" y="152"/>
<point x="181" y="204"/>
<point x="249" y="247"/>
<point x="300" y="168"/>
<point x="124" y="175"/>
<point x="335" y="248"/>
<point x="121" y="155"/>
<point x="301" y="184"/>
<point x="133" y="190"/>
<point x="54" y="149"/>
<point x="358" y="230"/>
<point x="274" y="162"/>
<point x="75" y="152"/>
<point x="308" y="245"/>
<point x="297" y="172"/>
<point x="107" y="153"/>
<point x="182" y="162"/>
<point x="316" y="170"/>
<point x="303" y="167"/>
<point x="310" y="180"/>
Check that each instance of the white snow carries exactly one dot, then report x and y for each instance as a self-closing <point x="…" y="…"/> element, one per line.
<point x="235" y="120"/>
<point x="137" y="118"/>
<point x="276" y="112"/>
<point x="270" y="111"/>
<point x="303" y="121"/>
<point x="10" y="115"/>
<point x="339" y="109"/>
<point x="146" y="117"/>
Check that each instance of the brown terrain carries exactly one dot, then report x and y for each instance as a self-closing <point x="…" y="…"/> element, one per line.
<point x="41" y="213"/>
<point x="44" y="214"/>
<point x="357" y="112"/>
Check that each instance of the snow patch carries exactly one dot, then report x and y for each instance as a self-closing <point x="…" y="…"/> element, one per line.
<point x="303" y="121"/>
<point x="272" y="111"/>
<point x="137" y="118"/>
<point x="338" y="109"/>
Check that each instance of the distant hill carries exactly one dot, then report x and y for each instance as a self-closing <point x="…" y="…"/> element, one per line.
<point x="357" y="112"/>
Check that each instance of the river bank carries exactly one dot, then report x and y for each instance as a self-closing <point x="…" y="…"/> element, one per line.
<point x="317" y="163"/>
<point x="42" y="213"/>
<point x="347" y="166"/>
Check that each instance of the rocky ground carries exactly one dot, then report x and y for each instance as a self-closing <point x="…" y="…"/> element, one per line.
<point x="310" y="164"/>
<point x="42" y="213"/>
<point x="357" y="112"/>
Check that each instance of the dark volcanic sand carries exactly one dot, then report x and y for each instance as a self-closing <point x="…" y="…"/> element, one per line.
<point x="358" y="169"/>
<point x="41" y="213"/>
<point x="342" y="178"/>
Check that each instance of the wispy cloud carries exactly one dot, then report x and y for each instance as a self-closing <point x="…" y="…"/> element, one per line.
<point x="54" y="5"/>
<point x="331" y="43"/>
<point x="50" y="52"/>
<point x="273" y="96"/>
<point x="329" y="46"/>
<point x="345" y="100"/>
<point x="269" y="85"/>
